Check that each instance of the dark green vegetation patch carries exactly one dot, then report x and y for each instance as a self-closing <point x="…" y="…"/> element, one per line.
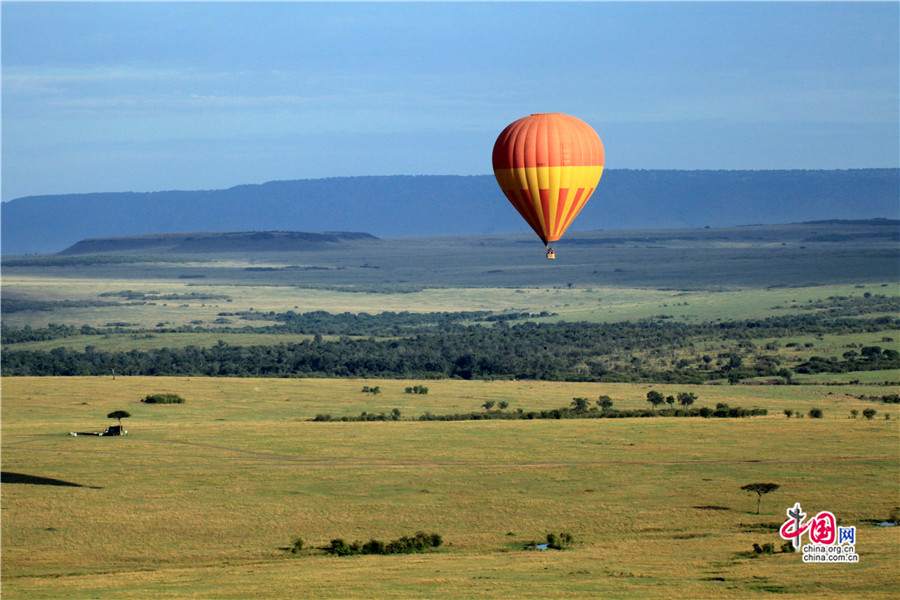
<point x="474" y="346"/>
<point x="162" y="399"/>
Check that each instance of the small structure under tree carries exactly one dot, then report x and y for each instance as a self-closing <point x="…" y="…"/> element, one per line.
<point x="112" y="429"/>
<point x="759" y="489"/>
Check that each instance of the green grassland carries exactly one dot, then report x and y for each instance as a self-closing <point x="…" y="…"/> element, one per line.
<point x="201" y="498"/>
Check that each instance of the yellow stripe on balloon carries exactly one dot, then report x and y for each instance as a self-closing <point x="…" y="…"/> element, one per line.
<point x="552" y="218"/>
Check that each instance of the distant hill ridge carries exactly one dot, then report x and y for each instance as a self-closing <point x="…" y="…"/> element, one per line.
<point x="836" y="230"/>
<point x="431" y="205"/>
<point x="236" y="241"/>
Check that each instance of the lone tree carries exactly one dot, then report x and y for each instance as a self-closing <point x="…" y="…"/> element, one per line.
<point x="759" y="489"/>
<point x="119" y="414"/>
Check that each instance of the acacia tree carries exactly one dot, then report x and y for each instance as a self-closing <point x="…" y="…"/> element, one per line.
<point x="759" y="489"/>
<point x="119" y="414"/>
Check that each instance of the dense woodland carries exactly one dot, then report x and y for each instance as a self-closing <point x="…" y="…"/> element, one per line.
<point x="482" y="345"/>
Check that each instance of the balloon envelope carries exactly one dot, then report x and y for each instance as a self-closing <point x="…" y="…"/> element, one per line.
<point x="548" y="165"/>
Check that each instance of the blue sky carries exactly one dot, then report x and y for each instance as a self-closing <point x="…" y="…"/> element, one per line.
<point x="143" y="96"/>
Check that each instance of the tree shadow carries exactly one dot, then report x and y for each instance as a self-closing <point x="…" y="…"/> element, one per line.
<point x="10" y="477"/>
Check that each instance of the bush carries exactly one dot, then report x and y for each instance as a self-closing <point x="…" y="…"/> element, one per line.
<point x="297" y="546"/>
<point x="373" y="547"/>
<point x="163" y="399"/>
<point x="563" y="540"/>
<point x="816" y="413"/>
<point x="339" y="547"/>
<point x="869" y="413"/>
<point x="767" y="548"/>
<point x="420" y="542"/>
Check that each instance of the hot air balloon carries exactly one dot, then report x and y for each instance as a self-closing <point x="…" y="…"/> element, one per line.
<point x="548" y="165"/>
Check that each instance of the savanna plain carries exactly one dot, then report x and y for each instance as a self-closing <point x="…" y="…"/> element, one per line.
<point x="205" y="498"/>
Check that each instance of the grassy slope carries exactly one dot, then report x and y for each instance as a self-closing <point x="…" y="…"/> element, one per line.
<point x="199" y="499"/>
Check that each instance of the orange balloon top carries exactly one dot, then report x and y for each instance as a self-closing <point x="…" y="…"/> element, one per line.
<point x="547" y="140"/>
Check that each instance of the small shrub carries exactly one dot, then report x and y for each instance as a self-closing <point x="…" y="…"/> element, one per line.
<point x="788" y="412"/>
<point x="869" y="413"/>
<point x="815" y="413"/>
<point x="297" y="546"/>
<point x="559" y="542"/>
<point x="767" y="548"/>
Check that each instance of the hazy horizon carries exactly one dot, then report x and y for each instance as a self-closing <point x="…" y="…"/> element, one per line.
<point x="130" y="96"/>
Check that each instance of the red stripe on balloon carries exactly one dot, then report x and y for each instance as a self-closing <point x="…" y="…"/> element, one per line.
<point x="573" y="209"/>
<point x="560" y="207"/>
<point x="521" y="200"/>
<point x="545" y="207"/>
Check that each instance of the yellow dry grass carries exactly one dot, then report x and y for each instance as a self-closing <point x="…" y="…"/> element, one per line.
<point x="199" y="500"/>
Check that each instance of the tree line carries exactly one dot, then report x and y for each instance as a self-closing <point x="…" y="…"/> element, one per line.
<point x="579" y="409"/>
<point x="449" y="346"/>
